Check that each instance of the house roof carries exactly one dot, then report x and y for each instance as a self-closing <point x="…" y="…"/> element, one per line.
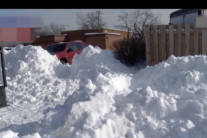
<point x="184" y="11"/>
<point x="96" y="30"/>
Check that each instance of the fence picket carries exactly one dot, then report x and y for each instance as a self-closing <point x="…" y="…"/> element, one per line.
<point x="171" y="40"/>
<point x="187" y="40"/>
<point x="156" y="52"/>
<point x="147" y="45"/>
<point x="179" y="48"/>
<point x="195" y="44"/>
<point x="163" y="41"/>
<point x="204" y="41"/>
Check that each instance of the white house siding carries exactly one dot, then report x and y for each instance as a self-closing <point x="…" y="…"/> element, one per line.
<point x="187" y="18"/>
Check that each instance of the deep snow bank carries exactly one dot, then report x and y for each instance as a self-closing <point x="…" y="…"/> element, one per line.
<point x="36" y="81"/>
<point x="165" y="100"/>
<point x="98" y="97"/>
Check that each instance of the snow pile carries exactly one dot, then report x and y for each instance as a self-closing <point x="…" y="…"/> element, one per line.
<point x="11" y="134"/>
<point x="36" y="81"/>
<point x="98" y="97"/>
<point x="30" y="60"/>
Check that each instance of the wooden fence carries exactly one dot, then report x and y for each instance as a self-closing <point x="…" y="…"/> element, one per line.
<point x="163" y="41"/>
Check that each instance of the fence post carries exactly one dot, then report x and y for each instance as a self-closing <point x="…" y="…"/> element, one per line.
<point x="171" y="40"/>
<point x="147" y="45"/>
<point x="156" y="45"/>
<point x="195" y="39"/>
<point x="179" y="48"/>
<point x="163" y="43"/>
<point x="204" y="41"/>
<point x="187" y="40"/>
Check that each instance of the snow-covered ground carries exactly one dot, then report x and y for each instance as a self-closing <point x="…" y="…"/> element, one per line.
<point x="98" y="97"/>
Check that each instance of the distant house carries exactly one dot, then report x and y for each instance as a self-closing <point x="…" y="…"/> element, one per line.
<point x="103" y="38"/>
<point x="185" y="16"/>
<point x="15" y="30"/>
<point x="189" y="16"/>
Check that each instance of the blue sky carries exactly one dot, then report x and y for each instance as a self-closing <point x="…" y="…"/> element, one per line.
<point x="68" y="16"/>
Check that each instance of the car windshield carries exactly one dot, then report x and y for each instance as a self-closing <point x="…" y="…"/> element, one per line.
<point x="56" y="47"/>
<point x="59" y="47"/>
<point x="84" y="44"/>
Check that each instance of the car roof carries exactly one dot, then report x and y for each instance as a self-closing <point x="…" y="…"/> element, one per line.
<point x="53" y="44"/>
<point x="76" y="41"/>
<point x="59" y="43"/>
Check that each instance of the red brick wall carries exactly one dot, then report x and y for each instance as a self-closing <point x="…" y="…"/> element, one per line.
<point x="79" y="34"/>
<point x="44" y="41"/>
<point x="96" y="40"/>
<point x="124" y="34"/>
<point x="103" y="40"/>
<point x="33" y="33"/>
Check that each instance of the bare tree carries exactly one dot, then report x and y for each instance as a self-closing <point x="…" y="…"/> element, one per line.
<point x="81" y="21"/>
<point x="52" y="29"/>
<point x="91" y="20"/>
<point x="137" y="20"/>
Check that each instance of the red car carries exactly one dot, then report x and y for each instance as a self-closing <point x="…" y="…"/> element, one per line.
<point x="70" y="49"/>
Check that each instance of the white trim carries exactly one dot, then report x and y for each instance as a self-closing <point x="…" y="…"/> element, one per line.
<point x="102" y="34"/>
<point x="117" y="29"/>
<point x="98" y="29"/>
